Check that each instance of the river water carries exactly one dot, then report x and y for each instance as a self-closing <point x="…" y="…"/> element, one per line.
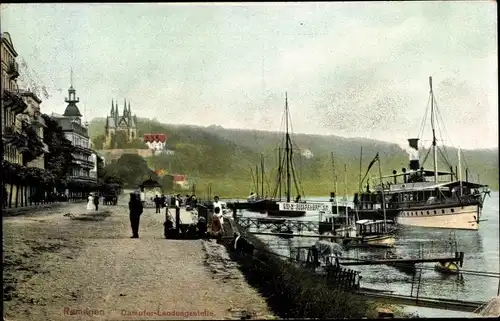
<point x="481" y="250"/>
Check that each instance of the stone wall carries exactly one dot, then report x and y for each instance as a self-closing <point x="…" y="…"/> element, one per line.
<point x="114" y="154"/>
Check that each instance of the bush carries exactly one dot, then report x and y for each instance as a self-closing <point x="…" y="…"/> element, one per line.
<point x="293" y="292"/>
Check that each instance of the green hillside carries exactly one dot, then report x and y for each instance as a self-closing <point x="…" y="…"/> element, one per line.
<point x="224" y="158"/>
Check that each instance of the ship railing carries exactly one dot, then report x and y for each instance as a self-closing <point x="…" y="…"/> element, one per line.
<point x="463" y="201"/>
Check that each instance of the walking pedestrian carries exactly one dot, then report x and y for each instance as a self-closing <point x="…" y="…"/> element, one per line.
<point x="143" y="197"/>
<point x="135" y="208"/>
<point x="157" y="201"/>
<point x="90" y="202"/>
<point x="218" y="212"/>
<point x="96" y="201"/>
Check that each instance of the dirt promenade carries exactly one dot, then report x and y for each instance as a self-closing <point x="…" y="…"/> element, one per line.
<point x="84" y="266"/>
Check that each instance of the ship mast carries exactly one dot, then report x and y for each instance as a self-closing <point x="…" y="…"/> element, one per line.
<point x="434" y="154"/>
<point x="280" y="173"/>
<point x="287" y="149"/>
<point x="262" y="174"/>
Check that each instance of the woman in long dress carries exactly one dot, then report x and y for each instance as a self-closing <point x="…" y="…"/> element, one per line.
<point x="90" y="203"/>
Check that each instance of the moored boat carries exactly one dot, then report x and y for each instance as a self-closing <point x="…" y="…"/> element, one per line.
<point x="376" y="233"/>
<point x="275" y="206"/>
<point x="435" y="198"/>
<point x="447" y="267"/>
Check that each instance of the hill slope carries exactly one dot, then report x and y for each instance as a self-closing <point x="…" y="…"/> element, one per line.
<point x="224" y="158"/>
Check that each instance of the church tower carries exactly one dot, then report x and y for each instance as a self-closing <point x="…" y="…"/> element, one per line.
<point x="110" y="126"/>
<point x="115" y="122"/>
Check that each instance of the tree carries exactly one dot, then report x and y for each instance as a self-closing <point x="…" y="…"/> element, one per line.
<point x="131" y="169"/>
<point x="59" y="157"/>
<point x="33" y="147"/>
<point x="120" y="140"/>
<point x="98" y="142"/>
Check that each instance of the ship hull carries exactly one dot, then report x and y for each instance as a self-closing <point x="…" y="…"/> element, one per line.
<point x="378" y="214"/>
<point x="386" y="240"/>
<point x="445" y="217"/>
<point x="271" y="207"/>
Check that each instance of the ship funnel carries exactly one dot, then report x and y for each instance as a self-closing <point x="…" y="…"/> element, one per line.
<point x="413" y="154"/>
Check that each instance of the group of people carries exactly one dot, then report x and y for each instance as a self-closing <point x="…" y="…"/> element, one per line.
<point x="93" y="202"/>
<point x="136" y="206"/>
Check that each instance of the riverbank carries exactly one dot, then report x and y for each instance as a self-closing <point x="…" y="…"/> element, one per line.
<point x="70" y="262"/>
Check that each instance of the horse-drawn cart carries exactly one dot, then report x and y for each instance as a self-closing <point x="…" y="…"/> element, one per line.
<point x="110" y="199"/>
<point x="110" y="194"/>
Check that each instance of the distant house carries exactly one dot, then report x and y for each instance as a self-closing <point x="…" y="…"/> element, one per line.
<point x="180" y="180"/>
<point x="307" y="153"/>
<point x="155" y="142"/>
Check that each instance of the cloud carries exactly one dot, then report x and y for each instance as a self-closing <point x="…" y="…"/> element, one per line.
<point x="354" y="69"/>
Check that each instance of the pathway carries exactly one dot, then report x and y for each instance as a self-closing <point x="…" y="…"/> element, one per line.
<point x="68" y="264"/>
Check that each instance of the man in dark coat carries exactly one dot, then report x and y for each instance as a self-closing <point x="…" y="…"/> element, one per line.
<point x="96" y="201"/>
<point x="157" y="201"/>
<point x="135" y="207"/>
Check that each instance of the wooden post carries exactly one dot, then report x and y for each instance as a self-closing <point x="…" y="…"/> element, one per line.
<point x="177" y="218"/>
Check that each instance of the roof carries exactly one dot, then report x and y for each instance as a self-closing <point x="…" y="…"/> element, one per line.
<point x="425" y="172"/>
<point x="8" y="42"/>
<point x="155" y="137"/>
<point x="150" y="183"/>
<point x="452" y="184"/>
<point x="68" y="125"/>
<point x="28" y="93"/>
<point x="72" y="110"/>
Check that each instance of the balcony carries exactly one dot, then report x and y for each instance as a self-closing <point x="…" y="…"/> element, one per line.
<point x="81" y="178"/>
<point x="83" y="163"/>
<point x="82" y="150"/>
<point x="13" y="70"/>
<point x="13" y="101"/>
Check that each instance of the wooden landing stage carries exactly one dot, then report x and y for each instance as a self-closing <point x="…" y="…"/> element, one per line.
<point x="425" y="302"/>
<point x="282" y="224"/>
<point x="458" y="258"/>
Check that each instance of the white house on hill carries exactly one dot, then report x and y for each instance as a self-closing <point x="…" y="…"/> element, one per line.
<point x="307" y="153"/>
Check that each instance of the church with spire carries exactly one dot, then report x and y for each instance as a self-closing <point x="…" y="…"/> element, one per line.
<point x="120" y="123"/>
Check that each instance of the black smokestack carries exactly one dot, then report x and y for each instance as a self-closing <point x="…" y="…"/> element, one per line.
<point x="414" y="161"/>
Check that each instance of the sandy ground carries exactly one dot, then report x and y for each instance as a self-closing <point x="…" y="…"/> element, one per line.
<point x="69" y="264"/>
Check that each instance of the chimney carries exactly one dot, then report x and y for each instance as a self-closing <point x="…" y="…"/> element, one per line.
<point x="414" y="161"/>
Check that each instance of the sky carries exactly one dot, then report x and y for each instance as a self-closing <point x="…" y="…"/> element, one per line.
<point x="350" y="69"/>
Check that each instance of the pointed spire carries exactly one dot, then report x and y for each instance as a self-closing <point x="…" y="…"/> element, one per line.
<point x="71" y="77"/>
<point x="129" y="111"/>
<point x="112" y="108"/>
<point x="124" y="107"/>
